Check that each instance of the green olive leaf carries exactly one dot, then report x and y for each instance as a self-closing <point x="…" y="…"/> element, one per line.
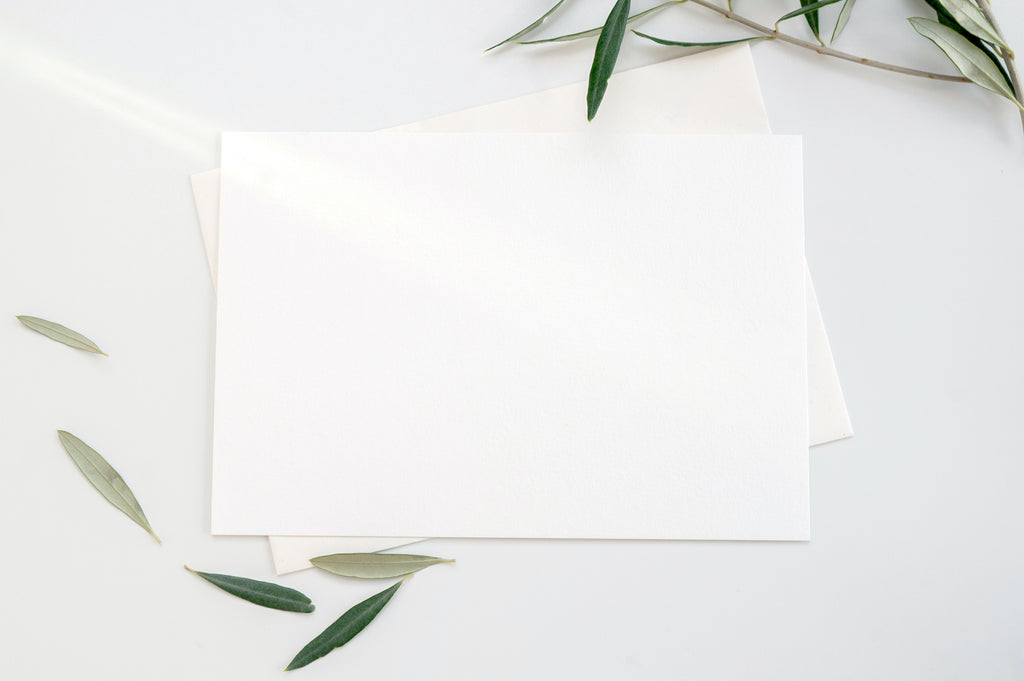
<point x="267" y="594"/>
<point x="967" y="15"/>
<point x="812" y="19"/>
<point x="105" y="479"/>
<point x="529" y="29"/>
<point x="60" y="333"/>
<point x="375" y="565"/>
<point x="805" y="9"/>
<point x="721" y="43"/>
<point x="605" y="55"/>
<point x="597" y="31"/>
<point x="946" y="19"/>
<point x="970" y="61"/>
<point x="344" y="629"/>
<point x="844" y="17"/>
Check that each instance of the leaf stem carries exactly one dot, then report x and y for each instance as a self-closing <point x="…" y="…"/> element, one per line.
<point x="822" y="49"/>
<point x="1007" y="55"/>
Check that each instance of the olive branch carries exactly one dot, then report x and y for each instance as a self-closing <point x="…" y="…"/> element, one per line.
<point x="966" y="31"/>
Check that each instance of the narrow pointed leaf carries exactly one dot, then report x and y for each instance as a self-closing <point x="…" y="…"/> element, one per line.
<point x="812" y="18"/>
<point x="844" y="17"/>
<point x="590" y="33"/>
<point x="974" y="64"/>
<point x="678" y="43"/>
<point x="375" y="565"/>
<point x="605" y="55"/>
<point x="529" y="29"/>
<point x="104" y="478"/>
<point x="806" y="9"/>
<point x="60" y="333"/>
<point x="946" y="19"/>
<point x="267" y="594"/>
<point x="344" y="628"/>
<point x="970" y="18"/>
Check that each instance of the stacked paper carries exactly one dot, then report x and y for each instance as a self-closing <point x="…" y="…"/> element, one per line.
<point x="617" y="432"/>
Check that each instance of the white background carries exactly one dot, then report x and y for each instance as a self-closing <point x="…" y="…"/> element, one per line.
<point x="914" y="237"/>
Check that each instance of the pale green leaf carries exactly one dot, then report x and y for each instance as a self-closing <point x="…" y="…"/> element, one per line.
<point x="720" y="43"/>
<point x="267" y="594"/>
<point x="344" y="629"/>
<point x="375" y="565"/>
<point x="590" y="33"/>
<point x="605" y="55"/>
<point x="806" y="9"/>
<point x="105" y="479"/>
<point x="972" y="20"/>
<point x="969" y="60"/>
<point x="60" y="333"/>
<point x="844" y="17"/>
<point x="528" y="29"/>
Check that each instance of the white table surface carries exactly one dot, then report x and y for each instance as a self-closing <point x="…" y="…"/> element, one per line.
<point x="915" y="231"/>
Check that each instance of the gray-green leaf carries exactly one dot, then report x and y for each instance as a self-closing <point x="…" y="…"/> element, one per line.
<point x="105" y="479"/>
<point x="344" y="628"/>
<point x="60" y="333"/>
<point x="806" y="9"/>
<point x="528" y="29"/>
<point x="375" y="565"/>
<point x="267" y="594"/>
<point x="844" y="17"/>
<point x="589" y="33"/>
<point x="721" y="43"/>
<point x="974" y="64"/>
<point x="605" y="55"/>
<point x="972" y="20"/>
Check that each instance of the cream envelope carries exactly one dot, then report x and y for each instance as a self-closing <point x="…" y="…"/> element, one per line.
<point x="709" y="92"/>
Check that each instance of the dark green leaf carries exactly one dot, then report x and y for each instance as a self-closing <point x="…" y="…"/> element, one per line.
<point x="597" y="31"/>
<point x="375" y="565"/>
<point x="344" y="628"/>
<point x="812" y="18"/>
<point x="844" y="16"/>
<point x="60" y="333"/>
<point x="528" y="29"/>
<point x="973" y="63"/>
<point x="806" y="9"/>
<point x="946" y="19"/>
<point x="605" y="55"/>
<point x="677" y="43"/>
<point x="261" y="593"/>
<point x="105" y="479"/>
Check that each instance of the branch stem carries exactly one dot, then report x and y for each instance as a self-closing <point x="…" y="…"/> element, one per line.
<point x="822" y="49"/>
<point x="1007" y="55"/>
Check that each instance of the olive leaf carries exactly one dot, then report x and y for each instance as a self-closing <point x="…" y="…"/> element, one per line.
<point x="806" y="9"/>
<point x="605" y="55"/>
<point x="267" y="594"/>
<point x="375" y="565"/>
<point x="589" y="33"/>
<point x="812" y="19"/>
<point x="946" y="19"/>
<point x="528" y="29"/>
<point x="968" y="16"/>
<point x="974" y="64"/>
<point x="105" y="479"/>
<point x="721" y="43"/>
<point x="60" y="333"/>
<point x="844" y="17"/>
<point x="344" y="629"/>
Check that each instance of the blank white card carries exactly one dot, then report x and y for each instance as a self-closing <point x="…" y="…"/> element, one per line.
<point x="549" y="335"/>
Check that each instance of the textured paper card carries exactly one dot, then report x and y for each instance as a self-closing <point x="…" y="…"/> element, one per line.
<point x="511" y="335"/>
